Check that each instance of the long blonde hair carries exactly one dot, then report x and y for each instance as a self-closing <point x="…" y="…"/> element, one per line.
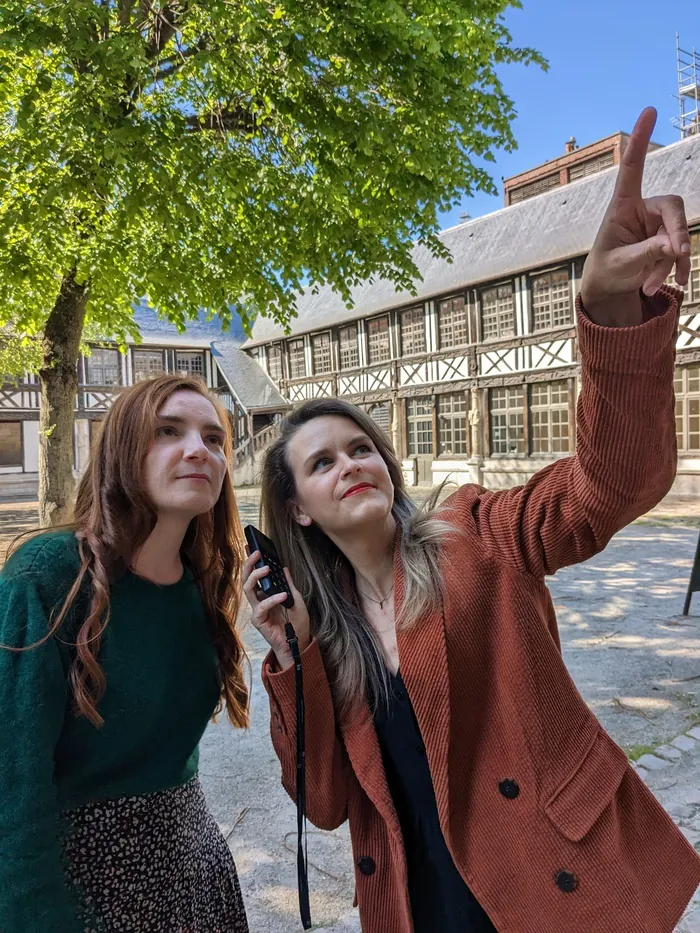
<point x="324" y="576"/>
<point x="114" y="516"/>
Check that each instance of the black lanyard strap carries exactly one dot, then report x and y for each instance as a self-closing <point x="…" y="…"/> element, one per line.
<point x="302" y="837"/>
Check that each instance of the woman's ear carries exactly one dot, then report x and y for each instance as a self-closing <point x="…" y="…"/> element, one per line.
<point x="300" y="516"/>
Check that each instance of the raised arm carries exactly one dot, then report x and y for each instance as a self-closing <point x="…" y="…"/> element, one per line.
<point x="625" y="457"/>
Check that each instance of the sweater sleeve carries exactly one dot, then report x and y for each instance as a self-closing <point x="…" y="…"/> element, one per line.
<point x="625" y="460"/>
<point x="34" y="897"/>
<point x="326" y="758"/>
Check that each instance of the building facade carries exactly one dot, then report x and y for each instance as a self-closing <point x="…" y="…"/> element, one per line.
<point x="476" y="376"/>
<point x="202" y="352"/>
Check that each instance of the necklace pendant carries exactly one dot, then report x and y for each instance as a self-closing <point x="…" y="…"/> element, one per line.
<point x="381" y="604"/>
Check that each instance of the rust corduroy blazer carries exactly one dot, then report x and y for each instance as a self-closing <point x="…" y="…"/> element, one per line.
<point x="545" y="819"/>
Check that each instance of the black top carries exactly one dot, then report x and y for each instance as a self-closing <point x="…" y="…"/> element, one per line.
<point x="440" y="899"/>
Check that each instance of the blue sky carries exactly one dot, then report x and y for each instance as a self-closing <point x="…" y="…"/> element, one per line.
<point x="608" y="59"/>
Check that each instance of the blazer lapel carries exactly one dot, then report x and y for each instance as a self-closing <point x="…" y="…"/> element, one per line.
<point x="365" y="756"/>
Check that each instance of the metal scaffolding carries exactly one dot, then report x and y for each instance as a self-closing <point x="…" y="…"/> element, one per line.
<point x="688" y="121"/>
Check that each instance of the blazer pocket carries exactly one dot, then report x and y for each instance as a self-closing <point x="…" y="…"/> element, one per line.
<point x="579" y="801"/>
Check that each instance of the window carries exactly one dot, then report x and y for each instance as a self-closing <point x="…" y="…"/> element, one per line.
<point x="321" y="353"/>
<point x="549" y="417"/>
<point x="190" y="364"/>
<point x="419" y="417"/>
<point x="147" y="363"/>
<point x="10" y="443"/>
<point x="452" y="425"/>
<point x="412" y="331"/>
<point x="551" y="300"/>
<point x="506" y="413"/>
<point x="274" y="361"/>
<point x="102" y="368"/>
<point x="297" y="361"/>
<point x="498" y="312"/>
<point x="533" y="188"/>
<point x="591" y="166"/>
<point x="378" y="336"/>
<point x="687" y="387"/>
<point x="349" y="347"/>
<point x="694" y="284"/>
<point x="381" y="415"/>
<point x="452" y="322"/>
<point x="692" y="289"/>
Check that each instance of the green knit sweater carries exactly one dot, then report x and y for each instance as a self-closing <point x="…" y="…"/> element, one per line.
<point x="162" y="689"/>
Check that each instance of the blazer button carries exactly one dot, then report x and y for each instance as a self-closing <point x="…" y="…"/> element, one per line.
<point x="367" y="865"/>
<point x="566" y="881"/>
<point x="509" y="788"/>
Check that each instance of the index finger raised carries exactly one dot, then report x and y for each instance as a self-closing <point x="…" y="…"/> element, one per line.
<point x="631" y="172"/>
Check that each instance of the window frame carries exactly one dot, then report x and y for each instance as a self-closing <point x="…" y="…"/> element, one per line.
<point x="498" y="314"/>
<point x="140" y="352"/>
<point x="414" y="420"/>
<point x="189" y="371"/>
<point x="417" y="313"/>
<point x="389" y="356"/>
<point x="509" y="409"/>
<point x="385" y="405"/>
<point x="451" y="417"/>
<point x="684" y="395"/>
<point x="296" y="341"/>
<point x="465" y="316"/>
<point x="279" y="358"/>
<point x="18" y="466"/>
<point x="549" y="407"/>
<point x="315" y="339"/>
<point x="550" y="325"/>
<point x="88" y="365"/>
<point x="353" y="346"/>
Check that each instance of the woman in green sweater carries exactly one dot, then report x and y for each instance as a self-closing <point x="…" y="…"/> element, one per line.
<point x="118" y="645"/>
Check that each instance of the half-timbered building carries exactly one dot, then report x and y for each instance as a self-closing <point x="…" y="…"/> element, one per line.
<point x="475" y="376"/>
<point x="246" y="391"/>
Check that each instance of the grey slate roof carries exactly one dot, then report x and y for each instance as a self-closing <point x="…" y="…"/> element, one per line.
<point x="199" y="332"/>
<point x="549" y="228"/>
<point x="249" y="382"/>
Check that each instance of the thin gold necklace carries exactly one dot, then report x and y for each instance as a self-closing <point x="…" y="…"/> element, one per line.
<point x="380" y="602"/>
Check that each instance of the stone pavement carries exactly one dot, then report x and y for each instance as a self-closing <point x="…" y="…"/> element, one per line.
<point x="678" y="789"/>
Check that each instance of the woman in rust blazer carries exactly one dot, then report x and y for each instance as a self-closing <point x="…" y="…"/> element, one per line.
<point x="432" y="637"/>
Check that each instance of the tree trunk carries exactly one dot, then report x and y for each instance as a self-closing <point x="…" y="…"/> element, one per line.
<point x="59" y="383"/>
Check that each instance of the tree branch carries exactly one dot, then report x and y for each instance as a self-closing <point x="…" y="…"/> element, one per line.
<point x="169" y="66"/>
<point x="237" y="119"/>
<point x="125" y="9"/>
<point x="166" y="25"/>
<point x="104" y="5"/>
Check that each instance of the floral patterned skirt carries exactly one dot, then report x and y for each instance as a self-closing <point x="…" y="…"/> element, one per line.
<point x="155" y="863"/>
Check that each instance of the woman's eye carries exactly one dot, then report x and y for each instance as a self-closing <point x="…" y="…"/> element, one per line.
<point x="166" y="431"/>
<point x="363" y="448"/>
<point x="216" y="440"/>
<point x="321" y="462"/>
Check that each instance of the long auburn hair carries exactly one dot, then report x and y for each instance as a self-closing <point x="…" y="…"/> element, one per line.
<point x="350" y="649"/>
<point x="114" y="516"/>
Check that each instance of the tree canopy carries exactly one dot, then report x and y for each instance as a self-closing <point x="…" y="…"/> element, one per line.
<point x="208" y="152"/>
